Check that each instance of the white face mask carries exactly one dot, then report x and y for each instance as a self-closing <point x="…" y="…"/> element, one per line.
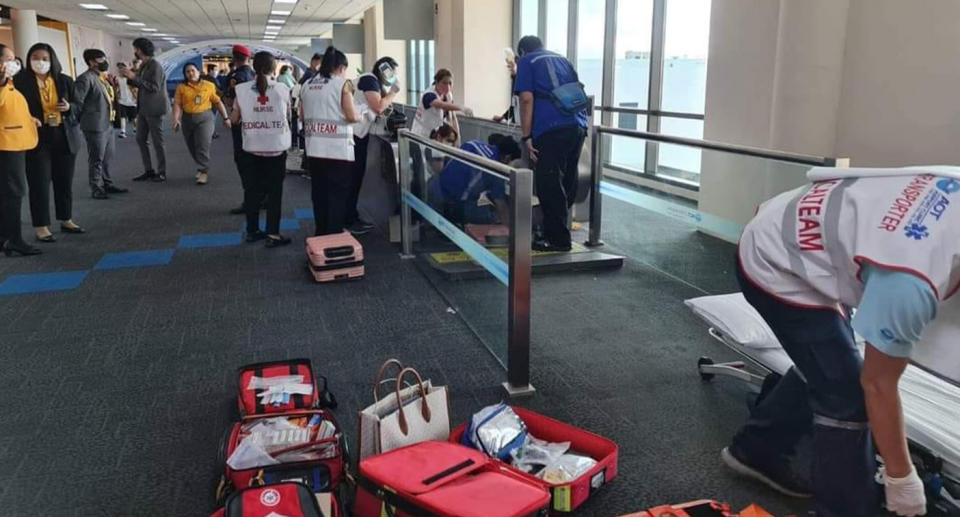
<point x="12" y="68"/>
<point x="39" y="66"/>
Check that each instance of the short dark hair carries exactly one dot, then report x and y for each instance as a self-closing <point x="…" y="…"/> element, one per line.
<point x="188" y="65"/>
<point x="317" y="57"/>
<point x="92" y="54"/>
<point x="144" y="45"/>
<point x="506" y="146"/>
<point x="211" y="67"/>
<point x="441" y="74"/>
<point x="529" y="44"/>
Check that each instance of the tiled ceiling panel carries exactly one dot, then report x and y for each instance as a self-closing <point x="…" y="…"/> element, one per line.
<point x="196" y="20"/>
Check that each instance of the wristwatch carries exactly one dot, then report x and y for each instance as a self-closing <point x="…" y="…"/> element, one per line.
<point x="525" y="138"/>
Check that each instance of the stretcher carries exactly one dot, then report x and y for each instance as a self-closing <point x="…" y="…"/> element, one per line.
<point x="931" y="403"/>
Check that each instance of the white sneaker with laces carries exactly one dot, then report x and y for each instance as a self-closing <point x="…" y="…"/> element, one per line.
<point x="201" y="178"/>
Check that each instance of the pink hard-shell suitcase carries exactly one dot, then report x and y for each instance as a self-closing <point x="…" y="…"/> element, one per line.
<point x="335" y="257"/>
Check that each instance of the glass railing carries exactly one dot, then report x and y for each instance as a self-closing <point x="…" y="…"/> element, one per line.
<point x="466" y="221"/>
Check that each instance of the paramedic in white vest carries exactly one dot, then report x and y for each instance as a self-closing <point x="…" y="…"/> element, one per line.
<point x="376" y="91"/>
<point x="261" y="108"/>
<point x="435" y="107"/>
<point x="883" y="241"/>
<point x="327" y="110"/>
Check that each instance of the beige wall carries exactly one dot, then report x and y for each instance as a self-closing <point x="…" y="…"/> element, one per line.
<point x="6" y="36"/>
<point x="117" y="49"/>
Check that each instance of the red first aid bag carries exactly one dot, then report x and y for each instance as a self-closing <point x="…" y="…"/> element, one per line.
<point x="702" y="508"/>
<point x="254" y="379"/>
<point x="291" y="499"/>
<point x="568" y="496"/>
<point x="442" y="479"/>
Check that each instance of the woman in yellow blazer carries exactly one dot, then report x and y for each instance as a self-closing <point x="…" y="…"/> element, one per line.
<point x="192" y="105"/>
<point x="18" y="134"/>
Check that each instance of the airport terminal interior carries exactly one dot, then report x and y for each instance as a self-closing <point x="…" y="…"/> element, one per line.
<point x="160" y="358"/>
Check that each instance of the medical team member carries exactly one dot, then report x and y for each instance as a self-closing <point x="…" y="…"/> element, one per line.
<point x="376" y="91"/>
<point x="192" y="109"/>
<point x="886" y="241"/>
<point x="328" y="113"/>
<point x="435" y="107"/>
<point x="553" y="138"/>
<point x="459" y="187"/>
<point x="262" y="110"/>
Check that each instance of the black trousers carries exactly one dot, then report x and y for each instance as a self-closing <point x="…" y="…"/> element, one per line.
<point x="51" y="162"/>
<point x="331" y="189"/>
<point x="12" y="186"/>
<point x="555" y="176"/>
<point x="264" y="182"/>
<point x="240" y="157"/>
<point x="360" y="146"/>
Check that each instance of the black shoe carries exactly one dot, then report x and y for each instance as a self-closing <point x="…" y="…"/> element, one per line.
<point x="48" y="238"/>
<point x="777" y="475"/>
<point x="145" y="176"/>
<point x="276" y="243"/>
<point x="255" y="236"/>
<point x="110" y="189"/>
<point x="239" y="210"/>
<point x="159" y="178"/>
<point x="216" y="135"/>
<point x="99" y="194"/>
<point x="67" y="229"/>
<point x="23" y="249"/>
<point x="547" y="246"/>
<point x="360" y="227"/>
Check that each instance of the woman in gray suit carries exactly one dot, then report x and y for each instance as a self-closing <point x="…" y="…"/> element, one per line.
<point x="49" y="95"/>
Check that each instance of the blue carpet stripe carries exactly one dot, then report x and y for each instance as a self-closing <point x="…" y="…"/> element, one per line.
<point x="135" y="259"/>
<point x="286" y="225"/>
<point x="42" y="282"/>
<point x="303" y="213"/>
<point x="210" y="240"/>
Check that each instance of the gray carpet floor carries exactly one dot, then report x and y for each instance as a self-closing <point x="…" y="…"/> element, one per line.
<point x="116" y="393"/>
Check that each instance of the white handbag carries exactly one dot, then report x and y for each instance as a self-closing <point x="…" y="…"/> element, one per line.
<point x="424" y="417"/>
<point x="371" y="416"/>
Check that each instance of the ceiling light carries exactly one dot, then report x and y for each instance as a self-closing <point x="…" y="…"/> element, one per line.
<point x="274" y="27"/>
<point x="118" y="16"/>
<point x="136" y="24"/>
<point x="160" y="34"/>
<point x="284" y="1"/>
<point x="168" y="38"/>
<point x="278" y="22"/>
<point x="94" y="7"/>
<point x="148" y="29"/>
<point x="279" y="13"/>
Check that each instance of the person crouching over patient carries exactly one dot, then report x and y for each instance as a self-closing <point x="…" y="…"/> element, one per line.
<point x="470" y="195"/>
<point x="261" y="109"/>
<point x="328" y="113"/>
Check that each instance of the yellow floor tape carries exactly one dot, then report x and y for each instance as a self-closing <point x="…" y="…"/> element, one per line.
<point x="455" y="257"/>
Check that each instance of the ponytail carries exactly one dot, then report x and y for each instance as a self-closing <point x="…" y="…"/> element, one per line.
<point x="332" y="60"/>
<point x="263" y="64"/>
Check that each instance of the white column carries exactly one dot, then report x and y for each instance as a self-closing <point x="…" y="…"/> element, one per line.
<point x="25" y="32"/>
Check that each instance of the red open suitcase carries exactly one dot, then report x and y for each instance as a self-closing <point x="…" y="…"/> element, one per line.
<point x="442" y="479"/>
<point x="702" y="508"/>
<point x="567" y="497"/>
<point x="335" y="257"/>
<point x="289" y="498"/>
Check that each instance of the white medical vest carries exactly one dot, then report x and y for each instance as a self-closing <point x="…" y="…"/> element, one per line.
<point x="428" y="119"/>
<point x="264" y="126"/>
<point x="325" y="131"/>
<point x="807" y="246"/>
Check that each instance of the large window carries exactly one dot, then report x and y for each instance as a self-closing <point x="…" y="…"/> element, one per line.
<point x="670" y="34"/>
<point x="557" y="11"/>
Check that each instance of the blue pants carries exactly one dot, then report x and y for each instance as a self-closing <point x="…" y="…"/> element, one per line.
<point x="825" y="395"/>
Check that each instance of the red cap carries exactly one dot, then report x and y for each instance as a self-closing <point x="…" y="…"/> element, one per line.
<point x="242" y="50"/>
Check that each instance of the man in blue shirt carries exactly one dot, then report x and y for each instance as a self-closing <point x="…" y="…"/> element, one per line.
<point x="553" y="138"/>
<point x="459" y="187"/>
<point x="241" y="73"/>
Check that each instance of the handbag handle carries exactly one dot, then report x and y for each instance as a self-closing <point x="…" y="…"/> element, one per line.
<point x="424" y="408"/>
<point x="383" y="369"/>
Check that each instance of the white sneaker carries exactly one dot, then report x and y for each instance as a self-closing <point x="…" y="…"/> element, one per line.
<point x="201" y="178"/>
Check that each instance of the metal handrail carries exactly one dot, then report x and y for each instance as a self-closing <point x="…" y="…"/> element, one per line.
<point x="651" y="113"/>
<point x="743" y="150"/>
<point x="499" y="170"/>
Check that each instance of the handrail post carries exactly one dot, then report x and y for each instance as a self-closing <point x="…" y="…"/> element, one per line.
<point x="518" y="325"/>
<point x="596" y="173"/>
<point x="406" y="229"/>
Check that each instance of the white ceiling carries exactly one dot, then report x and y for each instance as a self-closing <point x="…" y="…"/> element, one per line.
<point x="198" y="20"/>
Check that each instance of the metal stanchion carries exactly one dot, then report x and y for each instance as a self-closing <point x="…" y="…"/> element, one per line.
<point x="596" y="174"/>
<point x="406" y="229"/>
<point x="521" y="228"/>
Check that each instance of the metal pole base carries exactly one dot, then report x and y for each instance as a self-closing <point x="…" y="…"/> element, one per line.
<point x="515" y="392"/>
<point x="407" y="257"/>
<point x="593" y="244"/>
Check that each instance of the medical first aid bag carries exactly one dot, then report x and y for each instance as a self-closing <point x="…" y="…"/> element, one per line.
<point x="443" y="479"/>
<point x="277" y="387"/>
<point x="701" y="508"/>
<point x="289" y="499"/>
<point x="567" y="496"/>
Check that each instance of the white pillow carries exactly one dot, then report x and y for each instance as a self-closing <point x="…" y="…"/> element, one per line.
<point x="732" y="315"/>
